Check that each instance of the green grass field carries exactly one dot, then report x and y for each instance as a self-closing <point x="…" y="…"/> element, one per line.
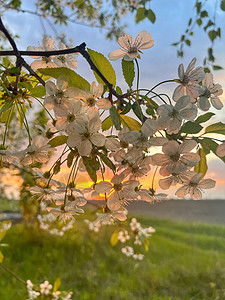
<point x="185" y="261"/>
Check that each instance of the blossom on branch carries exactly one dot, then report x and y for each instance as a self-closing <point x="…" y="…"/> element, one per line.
<point x="130" y="48"/>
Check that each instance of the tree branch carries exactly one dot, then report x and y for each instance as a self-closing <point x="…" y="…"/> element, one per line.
<point x="78" y="49"/>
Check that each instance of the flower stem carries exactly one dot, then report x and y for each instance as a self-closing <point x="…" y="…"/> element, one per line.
<point x="138" y="73"/>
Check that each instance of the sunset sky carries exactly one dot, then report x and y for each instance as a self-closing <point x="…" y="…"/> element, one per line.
<point x="157" y="64"/>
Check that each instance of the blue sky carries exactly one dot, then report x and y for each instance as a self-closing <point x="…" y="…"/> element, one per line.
<point x="157" y="64"/>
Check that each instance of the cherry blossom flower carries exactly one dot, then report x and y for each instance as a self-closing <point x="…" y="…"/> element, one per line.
<point x="92" y="98"/>
<point x="69" y="114"/>
<point x="141" y="138"/>
<point x="220" y="151"/>
<point x="65" y="213"/>
<point x="123" y="236"/>
<point x="84" y="135"/>
<point x="138" y="256"/>
<point x="189" y="81"/>
<point x="38" y="151"/>
<point x="119" y="191"/>
<point x="45" y="287"/>
<point x="177" y="157"/>
<point x="67" y="60"/>
<point x="128" y="251"/>
<point x="59" y="94"/>
<point x="174" y="178"/>
<point x="130" y="48"/>
<point x="149" y="195"/>
<point x="170" y="117"/>
<point x="139" y="168"/>
<point x="44" y="194"/>
<point x="194" y="186"/>
<point x="210" y="91"/>
<point x="43" y="62"/>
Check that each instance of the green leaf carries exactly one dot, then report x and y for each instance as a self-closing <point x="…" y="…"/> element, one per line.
<point x="188" y="42"/>
<point x="7" y="106"/>
<point x="128" y="71"/>
<point x="115" y="117"/>
<point x="201" y="167"/>
<point x="126" y="108"/>
<point x="114" y="238"/>
<point x="14" y="70"/>
<point x="222" y="5"/>
<point x="150" y="15"/>
<point x="131" y="123"/>
<point x="104" y="66"/>
<point x="216" y="128"/>
<point x="216" y="68"/>
<point x="212" y="35"/>
<point x="4" y="227"/>
<point x="118" y="90"/>
<point x="39" y="91"/>
<point x="21" y="114"/>
<point x="204" y="14"/>
<point x="191" y="127"/>
<point x="199" y="22"/>
<point x="137" y="110"/>
<point x="73" y="78"/>
<point x="7" y="116"/>
<point x="1" y="257"/>
<point x="70" y="158"/>
<point x="107" y="123"/>
<point x="204" y="118"/>
<point x="107" y="162"/>
<point x="140" y="14"/>
<point x="57" y="284"/>
<point x="92" y="166"/>
<point x="146" y="244"/>
<point x="210" y="145"/>
<point x="58" y="140"/>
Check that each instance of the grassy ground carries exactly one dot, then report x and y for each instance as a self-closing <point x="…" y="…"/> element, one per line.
<point x="185" y="261"/>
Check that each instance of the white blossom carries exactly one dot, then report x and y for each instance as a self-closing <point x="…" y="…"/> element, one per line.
<point x="130" y="48"/>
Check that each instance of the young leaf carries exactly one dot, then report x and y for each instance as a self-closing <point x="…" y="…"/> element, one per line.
<point x="107" y="162"/>
<point x="58" y="140"/>
<point x="128" y="71"/>
<point x="70" y="158"/>
<point x="140" y="14"/>
<point x="212" y="35"/>
<point x="38" y="91"/>
<point x="57" y="284"/>
<point x="115" y="117"/>
<point x="1" y="257"/>
<point x="104" y="66"/>
<point x="114" y="238"/>
<point x="191" y="127"/>
<point x="204" y="118"/>
<point x="216" y="68"/>
<point x="150" y="15"/>
<point x="126" y="109"/>
<point x="6" y="106"/>
<point x="209" y="145"/>
<point x="131" y="123"/>
<point x="137" y="110"/>
<point x="107" y="123"/>
<point x="216" y="128"/>
<point x="222" y="5"/>
<point x="91" y="166"/>
<point x="202" y="165"/>
<point x="73" y="78"/>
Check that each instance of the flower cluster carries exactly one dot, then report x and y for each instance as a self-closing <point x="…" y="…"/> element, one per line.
<point x="141" y="236"/>
<point x="93" y="127"/>
<point x="45" y="291"/>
